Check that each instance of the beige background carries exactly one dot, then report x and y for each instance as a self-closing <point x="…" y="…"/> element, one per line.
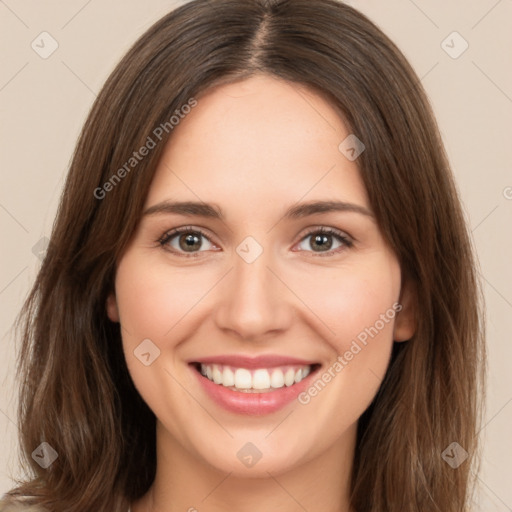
<point x="44" y="103"/>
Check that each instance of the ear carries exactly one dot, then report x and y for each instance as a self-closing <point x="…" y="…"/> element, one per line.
<point x="112" y="311"/>
<point x="405" y="321"/>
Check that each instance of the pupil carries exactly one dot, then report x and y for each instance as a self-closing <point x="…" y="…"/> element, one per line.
<point x="189" y="241"/>
<point x="323" y="241"/>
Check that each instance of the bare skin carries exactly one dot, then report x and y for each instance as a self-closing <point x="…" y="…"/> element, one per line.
<point x="254" y="149"/>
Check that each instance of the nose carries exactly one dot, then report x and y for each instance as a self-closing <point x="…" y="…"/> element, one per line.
<point x="254" y="303"/>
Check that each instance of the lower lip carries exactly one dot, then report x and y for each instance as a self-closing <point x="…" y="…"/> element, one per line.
<point x="255" y="404"/>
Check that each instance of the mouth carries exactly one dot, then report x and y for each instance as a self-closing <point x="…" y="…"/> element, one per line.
<point x="253" y="386"/>
<point x="260" y="380"/>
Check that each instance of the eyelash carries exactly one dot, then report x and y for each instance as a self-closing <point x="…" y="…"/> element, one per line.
<point x="340" y="236"/>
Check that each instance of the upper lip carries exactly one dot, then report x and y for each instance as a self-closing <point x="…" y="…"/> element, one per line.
<point x="263" y="361"/>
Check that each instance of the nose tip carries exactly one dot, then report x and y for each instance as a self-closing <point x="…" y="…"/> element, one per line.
<point x="253" y="302"/>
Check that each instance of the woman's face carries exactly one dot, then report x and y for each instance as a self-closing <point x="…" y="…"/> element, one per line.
<point x="292" y="326"/>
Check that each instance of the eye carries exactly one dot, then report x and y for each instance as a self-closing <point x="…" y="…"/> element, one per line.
<point x="186" y="241"/>
<point x="328" y="240"/>
<point x="189" y="241"/>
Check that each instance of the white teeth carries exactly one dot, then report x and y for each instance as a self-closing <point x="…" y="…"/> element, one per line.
<point x="277" y="379"/>
<point x="217" y="374"/>
<point x="289" y="377"/>
<point x="259" y="379"/>
<point x="228" y="377"/>
<point x="243" y="379"/>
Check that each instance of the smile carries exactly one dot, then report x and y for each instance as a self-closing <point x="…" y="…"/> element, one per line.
<point x="253" y="386"/>
<point x="261" y="380"/>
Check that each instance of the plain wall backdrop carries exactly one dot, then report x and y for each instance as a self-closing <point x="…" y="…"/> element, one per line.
<point x="56" y="56"/>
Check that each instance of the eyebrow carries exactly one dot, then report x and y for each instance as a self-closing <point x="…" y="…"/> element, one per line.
<point x="200" y="209"/>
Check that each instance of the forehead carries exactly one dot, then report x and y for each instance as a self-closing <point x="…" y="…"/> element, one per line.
<point x="262" y="139"/>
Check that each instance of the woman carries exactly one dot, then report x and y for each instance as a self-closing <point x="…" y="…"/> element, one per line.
<point x="260" y="291"/>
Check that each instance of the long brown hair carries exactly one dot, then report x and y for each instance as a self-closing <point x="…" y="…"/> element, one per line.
<point x="75" y="390"/>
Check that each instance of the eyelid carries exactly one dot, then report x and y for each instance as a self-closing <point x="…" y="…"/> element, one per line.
<point x="183" y="229"/>
<point x="329" y="230"/>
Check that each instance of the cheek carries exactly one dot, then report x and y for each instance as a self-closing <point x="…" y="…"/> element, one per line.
<point x="157" y="303"/>
<point x="359" y="305"/>
<point x="152" y="298"/>
<point x="353" y="298"/>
